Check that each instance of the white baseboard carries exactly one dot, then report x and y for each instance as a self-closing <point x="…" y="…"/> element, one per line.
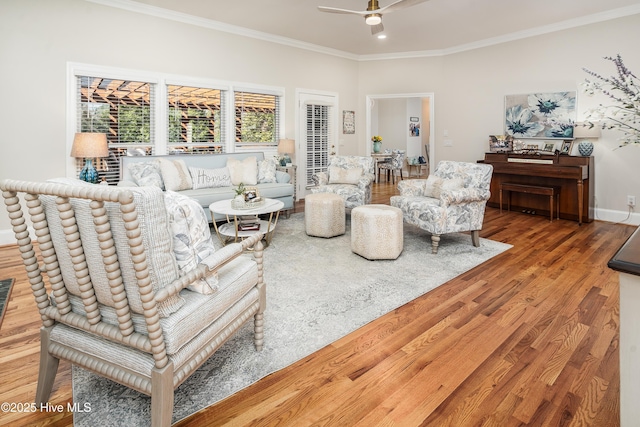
<point x="7" y="237"/>
<point x="620" y="217"/>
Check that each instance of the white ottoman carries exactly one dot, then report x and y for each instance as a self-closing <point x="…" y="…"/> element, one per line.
<point x="376" y="231"/>
<point x="324" y="215"/>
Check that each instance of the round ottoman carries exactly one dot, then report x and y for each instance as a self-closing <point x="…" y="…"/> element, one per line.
<point x="376" y="231"/>
<point x="324" y="215"/>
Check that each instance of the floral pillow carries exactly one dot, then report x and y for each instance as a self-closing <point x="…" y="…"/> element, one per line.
<point x="267" y="171"/>
<point x="191" y="238"/>
<point x="210" y="178"/>
<point x="146" y="174"/>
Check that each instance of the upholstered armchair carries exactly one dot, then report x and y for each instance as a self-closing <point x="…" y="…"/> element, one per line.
<point x="351" y="177"/>
<point x="115" y="292"/>
<point x="451" y="200"/>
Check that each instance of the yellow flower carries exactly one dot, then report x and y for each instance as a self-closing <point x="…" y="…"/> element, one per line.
<point x="376" y="138"/>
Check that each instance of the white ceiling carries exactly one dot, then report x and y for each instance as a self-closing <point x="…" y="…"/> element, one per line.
<point x="433" y="27"/>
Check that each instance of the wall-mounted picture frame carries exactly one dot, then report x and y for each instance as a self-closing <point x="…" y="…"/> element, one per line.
<point x="500" y="143"/>
<point x="348" y="122"/>
<point x="541" y="115"/>
<point x="566" y="147"/>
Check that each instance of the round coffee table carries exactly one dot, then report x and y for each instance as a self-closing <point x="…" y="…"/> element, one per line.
<point x="242" y="223"/>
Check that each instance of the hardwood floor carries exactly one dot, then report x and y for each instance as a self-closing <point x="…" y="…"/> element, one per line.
<point x="529" y="338"/>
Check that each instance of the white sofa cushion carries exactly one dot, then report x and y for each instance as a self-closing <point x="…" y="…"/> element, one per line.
<point x="210" y="178"/>
<point x="243" y="171"/>
<point x="175" y="175"/>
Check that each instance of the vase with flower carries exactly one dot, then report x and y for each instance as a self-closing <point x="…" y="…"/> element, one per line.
<point x="377" y="143"/>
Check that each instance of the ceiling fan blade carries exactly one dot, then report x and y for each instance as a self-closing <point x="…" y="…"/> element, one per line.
<point x="375" y="29"/>
<point x="400" y="4"/>
<point x="337" y="10"/>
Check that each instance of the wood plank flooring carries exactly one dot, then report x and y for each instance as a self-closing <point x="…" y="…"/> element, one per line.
<point x="529" y="338"/>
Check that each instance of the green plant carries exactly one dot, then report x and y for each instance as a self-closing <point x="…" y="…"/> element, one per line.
<point x="240" y="189"/>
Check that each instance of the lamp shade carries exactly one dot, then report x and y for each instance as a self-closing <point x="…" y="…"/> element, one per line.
<point x="585" y="130"/>
<point x="89" y="145"/>
<point x="286" y="146"/>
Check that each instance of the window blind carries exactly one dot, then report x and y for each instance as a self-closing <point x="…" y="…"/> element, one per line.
<point x="124" y="111"/>
<point x="257" y="118"/>
<point x="318" y="139"/>
<point x="196" y="120"/>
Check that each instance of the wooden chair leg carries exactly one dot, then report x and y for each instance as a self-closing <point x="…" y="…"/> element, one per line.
<point x="475" y="238"/>
<point x="162" y="396"/>
<point x="48" y="368"/>
<point x="435" y="241"/>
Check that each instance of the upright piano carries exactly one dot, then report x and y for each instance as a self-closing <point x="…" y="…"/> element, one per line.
<point x="575" y="175"/>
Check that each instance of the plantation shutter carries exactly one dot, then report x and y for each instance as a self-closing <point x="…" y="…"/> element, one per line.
<point x="319" y="135"/>
<point x="257" y="118"/>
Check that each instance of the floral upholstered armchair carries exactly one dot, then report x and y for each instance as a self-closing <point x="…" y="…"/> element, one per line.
<point x="348" y="176"/>
<point x="451" y="200"/>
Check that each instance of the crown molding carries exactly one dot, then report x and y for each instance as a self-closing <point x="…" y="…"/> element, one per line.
<point x="136" y="7"/>
<point x="158" y="12"/>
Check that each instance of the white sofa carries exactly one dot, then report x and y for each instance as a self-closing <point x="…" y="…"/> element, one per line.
<point x="281" y="189"/>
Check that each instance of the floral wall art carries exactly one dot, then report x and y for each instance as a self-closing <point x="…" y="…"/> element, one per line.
<point x="541" y="115"/>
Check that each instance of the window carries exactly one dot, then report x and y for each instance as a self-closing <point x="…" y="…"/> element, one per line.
<point x="256" y="118"/>
<point x="146" y="113"/>
<point x="196" y="119"/>
<point x="123" y="109"/>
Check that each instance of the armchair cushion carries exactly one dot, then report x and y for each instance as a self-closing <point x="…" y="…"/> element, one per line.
<point x="344" y="176"/>
<point x="435" y="185"/>
<point x="191" y="238"/>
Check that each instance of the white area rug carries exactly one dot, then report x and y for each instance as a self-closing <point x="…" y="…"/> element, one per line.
<point x="317" y="292"/>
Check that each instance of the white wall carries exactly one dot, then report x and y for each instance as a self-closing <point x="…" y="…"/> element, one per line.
<point x="39" y="37"/>
<point x="469" y="90"/>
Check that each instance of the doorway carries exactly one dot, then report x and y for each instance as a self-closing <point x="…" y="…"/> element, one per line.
<point x="408" y="120"/>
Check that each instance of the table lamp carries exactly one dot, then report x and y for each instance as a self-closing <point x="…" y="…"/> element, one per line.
<point x="586" y="131"/>
<point x="286" y="147"/>
<point x="88" y="145"/>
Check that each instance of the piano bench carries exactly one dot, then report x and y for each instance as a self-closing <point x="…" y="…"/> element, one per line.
<point x="552" y="192"/>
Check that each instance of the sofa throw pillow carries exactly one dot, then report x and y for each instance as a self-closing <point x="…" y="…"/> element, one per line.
<point x="436" y="185"/>
<point x="338" y="175"/>
<point x="267" y="171"/>
<point x="191" y="238"/>
<point x="146" y="174"/>
<point x="243" y="171"/>
<point x="175" y="175"/>
<point x="210" y="178"/>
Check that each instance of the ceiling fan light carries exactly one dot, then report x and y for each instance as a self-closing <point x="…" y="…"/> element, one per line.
<point x="373" y="19"/>
<point x="382" y="36"/>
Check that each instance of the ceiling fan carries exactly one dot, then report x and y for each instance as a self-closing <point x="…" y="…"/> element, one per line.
<point x="373" y="14"/>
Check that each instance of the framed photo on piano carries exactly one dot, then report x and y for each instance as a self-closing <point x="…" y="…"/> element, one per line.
<point x="566" y="147"/>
